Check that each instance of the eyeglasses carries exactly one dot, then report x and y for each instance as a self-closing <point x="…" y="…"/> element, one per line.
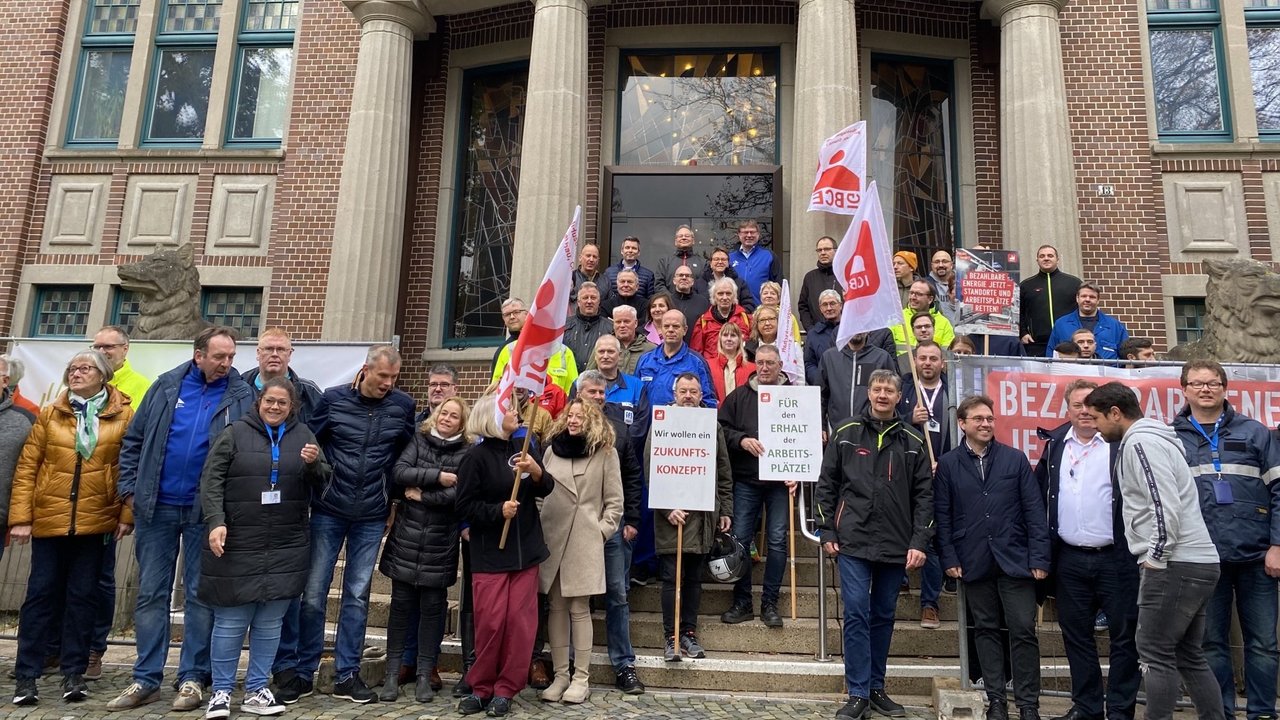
<point x="512" y="313"/>
<point x="1201" y="384"/>
<point x="106" y="346"/>
<point x="272" y="402"/>
<point x="81" y="369"/>
<point x="981" y="419"/>
<point x="438" y="385"/>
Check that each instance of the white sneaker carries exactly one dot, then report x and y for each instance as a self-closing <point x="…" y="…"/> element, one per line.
<point x="219" y="705"/>
<point x="261" y="702"/>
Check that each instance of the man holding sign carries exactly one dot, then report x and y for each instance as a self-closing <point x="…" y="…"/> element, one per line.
<point x="875" y="514"/>
<point x="698" y="527"/>
<point x="739" y="418"/>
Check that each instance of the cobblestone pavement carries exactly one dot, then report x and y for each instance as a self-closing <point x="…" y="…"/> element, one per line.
<point x="604" y="703"/>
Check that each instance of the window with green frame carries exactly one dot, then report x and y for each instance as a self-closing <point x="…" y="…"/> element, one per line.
<point x="1188" y="319"/>
<point x="105" y="54"/>
<point x="236" y="307"/>
<point x="1262" y="20"/>
<point x="61" y="311"/>
<point x="183" y="71"/>
<point x="1187" y="69"/>
<point x="263" y="73"/>
<point x="125" y="307"/>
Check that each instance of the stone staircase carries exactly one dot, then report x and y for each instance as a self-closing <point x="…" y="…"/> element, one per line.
<point x="750" y="657"/>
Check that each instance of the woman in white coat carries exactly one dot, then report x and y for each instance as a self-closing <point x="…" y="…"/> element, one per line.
<point x="577" y="518"/>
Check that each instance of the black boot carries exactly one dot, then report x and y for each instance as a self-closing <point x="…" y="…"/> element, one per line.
<point x="390" y="683"/>
<point x="423" y="692"/>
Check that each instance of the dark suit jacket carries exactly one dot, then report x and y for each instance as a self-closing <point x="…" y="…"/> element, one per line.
<point x="990" y="513"/>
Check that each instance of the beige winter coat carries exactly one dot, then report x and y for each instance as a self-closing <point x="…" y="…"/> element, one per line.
<point x="577" y="518"/>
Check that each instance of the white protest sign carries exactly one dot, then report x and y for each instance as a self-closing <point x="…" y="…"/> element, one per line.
<point x="791" y="432"/>
<point x="682" y="459"/>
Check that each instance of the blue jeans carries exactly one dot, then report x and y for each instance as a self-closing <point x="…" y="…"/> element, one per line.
<point x="870" y="594"/>
<point x="328" y="533"/>
<point x="748" y="499"/>
<point x="262" y="620"/>
<point x="287" y="650"/>
<point x="930" y="580"/>
<point x="617" y="616"/>
<point x="1255" y="598"/>
<point x="156" y="547"/>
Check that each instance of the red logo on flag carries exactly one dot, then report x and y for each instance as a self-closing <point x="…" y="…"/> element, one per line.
<point x="842" y="166"/>
<point x="862" y="272"/>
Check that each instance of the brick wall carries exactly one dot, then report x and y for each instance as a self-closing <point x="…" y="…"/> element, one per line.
<point x="28" y="63"/>
<point x="1122" y="246"/>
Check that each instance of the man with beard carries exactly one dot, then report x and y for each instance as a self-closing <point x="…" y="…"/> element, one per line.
<point x="921" y="299"/>
<point x="688" y="296"/>
<point x="1166" y="532"/>
<point x="817" y="280"/>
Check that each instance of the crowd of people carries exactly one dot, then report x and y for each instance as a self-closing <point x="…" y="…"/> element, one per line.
<point x="262" y="480"/>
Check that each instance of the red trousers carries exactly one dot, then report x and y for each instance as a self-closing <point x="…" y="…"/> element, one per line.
<point x="506" y="621"/>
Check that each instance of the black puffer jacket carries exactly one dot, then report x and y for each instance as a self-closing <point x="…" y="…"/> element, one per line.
<point x="422" y="548"/>
<point x="268" y="552"/>
<point x="362" y="437"/>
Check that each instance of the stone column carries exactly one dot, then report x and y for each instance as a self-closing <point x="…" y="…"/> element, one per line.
<point x="1037" y="173"/>
<point x="553" y="154"/>
<point x="827" y="100"/>
<point x="368" y="233"/>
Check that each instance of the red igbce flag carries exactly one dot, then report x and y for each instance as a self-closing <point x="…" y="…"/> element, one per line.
<point x="842" y="171"/>
<point x="544" y="328"/>
<point x="863" y="268"/>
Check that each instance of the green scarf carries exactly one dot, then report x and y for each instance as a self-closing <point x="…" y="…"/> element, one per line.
<point x="87" y="421"/>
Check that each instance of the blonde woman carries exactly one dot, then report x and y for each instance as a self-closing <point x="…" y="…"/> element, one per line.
<point x="577" y="518"/>
<point x="421" y="552"/>
<point x="764" y="330"/>
<point x="730" y="367"/>
<point x="771" y="296"/>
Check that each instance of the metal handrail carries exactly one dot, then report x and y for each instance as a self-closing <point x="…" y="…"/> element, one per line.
<point x="823" y="655"/>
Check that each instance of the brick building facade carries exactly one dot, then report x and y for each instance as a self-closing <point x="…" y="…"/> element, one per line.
<point x="343" y="193"/>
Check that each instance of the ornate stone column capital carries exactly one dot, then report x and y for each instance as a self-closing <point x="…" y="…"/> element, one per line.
<point x="412" y="14"/>
<point x="998" y="8"/>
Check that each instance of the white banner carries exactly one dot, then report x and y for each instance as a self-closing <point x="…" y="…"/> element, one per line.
<point x="682" y="459"/>
<point x="543" y="330"/>
<point x="788" y="347"/>
<point x="842" y="171"/>
<point x="864" y="268"/>
<point x="325" y="365"/>
<point x="791" y="432"/>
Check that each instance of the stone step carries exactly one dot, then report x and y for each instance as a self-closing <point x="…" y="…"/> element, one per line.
<point x="717" y="597"/>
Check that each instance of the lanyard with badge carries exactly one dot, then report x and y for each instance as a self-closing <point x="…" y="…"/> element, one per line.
<point x="1077" y="459"/>
<point x="272" y="496"/>
<point x="929" y="398"/>
<point x="1221" y="488"/>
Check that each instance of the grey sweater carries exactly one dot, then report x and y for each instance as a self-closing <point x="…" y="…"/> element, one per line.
<point x="1161" y="504"/>
<point x="15" y="425"/>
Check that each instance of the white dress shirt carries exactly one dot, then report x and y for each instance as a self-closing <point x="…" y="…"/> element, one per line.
<point x="1084" y="492"/>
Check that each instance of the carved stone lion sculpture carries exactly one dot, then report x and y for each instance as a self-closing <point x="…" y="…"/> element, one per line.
<point x="1242" y="315"/>
<point x="170" y="288"/>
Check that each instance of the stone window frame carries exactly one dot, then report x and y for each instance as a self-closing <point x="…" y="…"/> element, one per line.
<point x="1260" y="17"/>
<point x="90" y="41"/>
<point x="1235" y="81"/>
<point x="131" y="142"/>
